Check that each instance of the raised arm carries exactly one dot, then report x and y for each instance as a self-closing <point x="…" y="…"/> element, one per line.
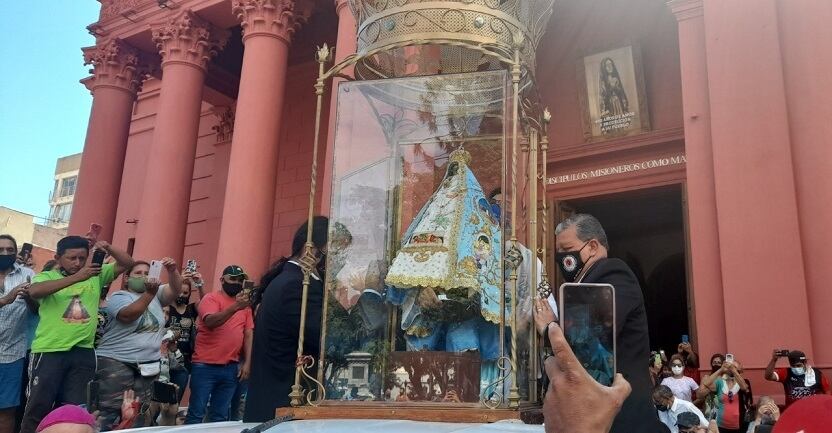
<point x="132" y="312"/>
<point x="215" y="320"/>
<point x="42" y="289"/>
<point x="738" y="377"/>
<point x="770" y="375"/>
<point x="174" y="286"/>
<point x="123" y="260"/>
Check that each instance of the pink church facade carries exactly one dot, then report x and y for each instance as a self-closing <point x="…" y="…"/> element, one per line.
<point x="199" y="146"/>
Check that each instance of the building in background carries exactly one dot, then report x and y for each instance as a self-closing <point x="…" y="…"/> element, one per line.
<point x="696" y="130"/>
<point x="26" y="228"/>
<point x="60" y="201"/>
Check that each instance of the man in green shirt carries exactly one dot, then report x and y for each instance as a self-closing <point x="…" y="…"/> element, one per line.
<point x="63" y="358"/>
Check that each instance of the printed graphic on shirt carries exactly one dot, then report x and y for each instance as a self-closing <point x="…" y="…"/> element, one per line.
<point x="148" y="323"/>
<point x="102" y="324"/>
<point x="75" y="312"/>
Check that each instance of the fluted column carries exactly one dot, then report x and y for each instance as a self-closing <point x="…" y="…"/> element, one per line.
<point x="344" y="46"/>
<point x="117" y="76"/>
<point x="248" y="211"/>
<point x="186" y="44"/>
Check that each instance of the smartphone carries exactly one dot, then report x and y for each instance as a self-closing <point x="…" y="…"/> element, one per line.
<point x="25" y="251"/>
<point x="98" y="257"/>
<point x="155" y="270"/>
<point x="248" y="287"/>
<point x="685" y="339"/>
<point x="164" y="392"/>
<point x="191" y="266"/>
<point x="783" y="352"/>
<point x="92" y="396"/>
<point x="588" y="322"/>
<point x="729" y="358"/>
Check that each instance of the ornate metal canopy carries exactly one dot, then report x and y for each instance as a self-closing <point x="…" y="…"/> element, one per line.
<point x="465" y="35"/>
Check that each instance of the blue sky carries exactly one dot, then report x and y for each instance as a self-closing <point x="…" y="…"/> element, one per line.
<point x="43" y="108"/>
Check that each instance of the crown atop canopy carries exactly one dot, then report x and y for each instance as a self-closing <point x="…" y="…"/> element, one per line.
<point x="463" y="31"/>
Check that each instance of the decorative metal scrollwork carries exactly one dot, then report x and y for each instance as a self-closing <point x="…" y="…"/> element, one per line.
<point x="492" y="396"/>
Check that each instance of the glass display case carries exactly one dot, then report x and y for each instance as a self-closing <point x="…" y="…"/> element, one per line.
<point x="420" y="299"/>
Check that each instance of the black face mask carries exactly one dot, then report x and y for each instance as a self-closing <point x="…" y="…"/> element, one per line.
<point x="570" y="263"/>
<point x="232" y="289"/>
<point x="182" y="300"/>
<point x="715" y="368"/>
<point x="7" y="261"/>
<point x="661" y="407"/>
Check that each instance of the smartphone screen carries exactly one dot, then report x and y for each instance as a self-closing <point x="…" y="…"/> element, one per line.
<point x="155" y="270"/>
<point x="191" y="266"/>
<point x="98" y="257"/>
<point x="163" y="392"/>
<point x="685" y="339"/>
<point x="588" y="322"/>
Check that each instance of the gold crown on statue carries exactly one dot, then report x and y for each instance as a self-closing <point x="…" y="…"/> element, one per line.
<point x="463" y="30"/>
<point x="461" y="156"/>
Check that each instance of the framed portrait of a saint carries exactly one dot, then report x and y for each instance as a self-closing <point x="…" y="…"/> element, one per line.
<point x="612" y="94"/>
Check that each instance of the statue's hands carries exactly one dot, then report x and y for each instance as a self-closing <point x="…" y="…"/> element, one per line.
<point x="428" y="299"/>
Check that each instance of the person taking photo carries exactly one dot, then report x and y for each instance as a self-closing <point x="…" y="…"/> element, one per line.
<point x="63" y="358"/>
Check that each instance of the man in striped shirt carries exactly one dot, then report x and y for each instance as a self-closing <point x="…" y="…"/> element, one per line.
<point x="14" y="320"/>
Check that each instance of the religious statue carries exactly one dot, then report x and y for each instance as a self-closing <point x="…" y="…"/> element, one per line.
<point x="447" y="276"/>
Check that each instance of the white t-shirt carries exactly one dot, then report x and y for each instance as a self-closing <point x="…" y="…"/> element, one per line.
<point x="683" y="388"/>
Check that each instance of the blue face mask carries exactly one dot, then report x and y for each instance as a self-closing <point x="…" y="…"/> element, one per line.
<point x="798" y="371"/>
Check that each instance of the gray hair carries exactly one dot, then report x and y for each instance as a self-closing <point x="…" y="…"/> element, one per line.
<point x="662" y="391"/>
<point x="587" y="228"/>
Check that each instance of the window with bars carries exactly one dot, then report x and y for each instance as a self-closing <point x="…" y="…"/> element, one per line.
<point x="68" y="186"/>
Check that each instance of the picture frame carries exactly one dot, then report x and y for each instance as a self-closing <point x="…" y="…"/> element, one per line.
<point x="612" y="94"/>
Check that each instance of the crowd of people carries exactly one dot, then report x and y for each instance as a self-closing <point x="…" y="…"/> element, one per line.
<point x="128" y="354"/>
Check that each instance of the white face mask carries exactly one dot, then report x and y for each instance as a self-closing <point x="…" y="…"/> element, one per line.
<point x="677" y="370"/>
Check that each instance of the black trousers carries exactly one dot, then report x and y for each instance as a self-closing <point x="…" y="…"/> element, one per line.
<point x="57" y="378"/>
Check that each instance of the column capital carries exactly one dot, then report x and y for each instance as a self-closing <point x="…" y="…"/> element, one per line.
<point x="188" y="39"/>
<point x="274" y="18"/>
<point x="115" y="64"/>
<point x="686" y="9"/>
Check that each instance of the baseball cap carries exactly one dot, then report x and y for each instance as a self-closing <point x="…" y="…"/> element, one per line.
<point x="687" y="420"/>
<point x="809" y="415"/>
<point x="796" y="356"/>
<point x="234" y="271"/>
<point x="68" y="414"/>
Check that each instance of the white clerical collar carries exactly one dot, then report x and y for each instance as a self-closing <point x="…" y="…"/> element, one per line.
<point x="311" y="273"/>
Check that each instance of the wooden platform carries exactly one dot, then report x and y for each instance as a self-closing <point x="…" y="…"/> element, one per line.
<point x="446" y="413"/>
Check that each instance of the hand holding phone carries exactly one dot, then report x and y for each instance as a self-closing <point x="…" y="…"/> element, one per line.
<point x="25" y="251"/>
<point x="155" y="272"/>
<point x="98" y="257"/>
<point x="587" y="317"/>
<point x="729" y="358"/>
